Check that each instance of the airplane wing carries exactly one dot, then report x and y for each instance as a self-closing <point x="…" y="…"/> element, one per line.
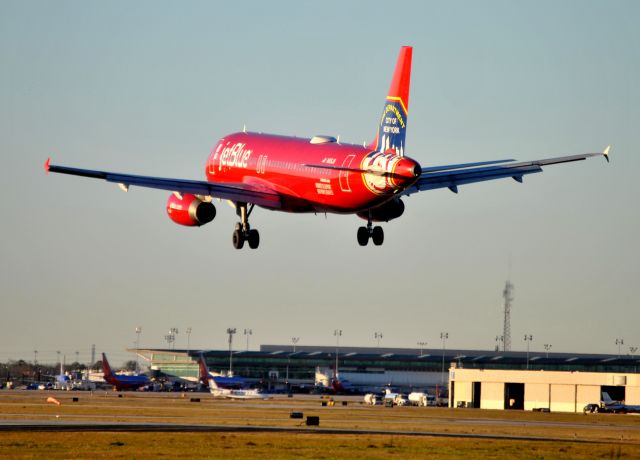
<point x="456" y="175"/>
<point x="236" y="192"/>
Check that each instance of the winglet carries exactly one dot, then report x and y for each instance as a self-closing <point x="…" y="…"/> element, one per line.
<point x="605" y="152"/>
<point x="46" y="165"/>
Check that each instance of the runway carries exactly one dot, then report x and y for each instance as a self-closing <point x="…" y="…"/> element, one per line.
<point x="47" y="426"/>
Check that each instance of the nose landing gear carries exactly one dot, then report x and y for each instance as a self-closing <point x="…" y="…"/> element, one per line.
<point x="375" y="233"/>
<point x="243" y="232"/>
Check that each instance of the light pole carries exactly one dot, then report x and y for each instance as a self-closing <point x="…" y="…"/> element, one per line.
<point x="337" y="333"/>
<point x="171" y="337"/>
<point x="443" y="336"/>
<point x="231" y="331"/>
<point x="248" y="332"/>
<point x="138" y="332"/>
<point x="58" y="352"/>
<point x="528" y="338"/>
<point x="294" y="341"/>
<point x="422" y="344"/>
<point x="499" y="338"/>
<point x="189" y="331"/>
<point x="633" y="350"/>
<point x="547" y="347"/>
<point x="378" y="336"/>
<point x="77" y="357"/>
<point x="35" y="357"/>
<point x="619" y="342"/>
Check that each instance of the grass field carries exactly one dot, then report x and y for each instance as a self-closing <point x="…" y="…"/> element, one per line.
<point x="572" y="435"/>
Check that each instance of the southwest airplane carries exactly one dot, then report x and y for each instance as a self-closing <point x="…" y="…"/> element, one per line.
<point x="320" y="174"/>
<point x="122" y="382"/>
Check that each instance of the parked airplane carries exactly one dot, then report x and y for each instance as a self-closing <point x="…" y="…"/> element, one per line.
<point x="63" y="380"/>
<point x="228" y="393"/>
<point x="222" y="381"/>
<point x="120" y="381"/>
<point x="319" y="174"/>
<point x="610" y="405"/>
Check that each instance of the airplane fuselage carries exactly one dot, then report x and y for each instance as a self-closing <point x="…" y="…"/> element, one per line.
<point x="311" y="175"/>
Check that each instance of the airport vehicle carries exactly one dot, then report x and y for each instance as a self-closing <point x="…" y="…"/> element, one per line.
<point x="228" y="393"/>
<point x="418" y="398"/>
<point x="120" y="381"/>
<point x="370" y="399"/>
<point x="392" y="398"/>
<point x="319" y="174"/>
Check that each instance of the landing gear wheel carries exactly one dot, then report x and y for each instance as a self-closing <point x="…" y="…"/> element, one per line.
<point x="238" y="239"/>
<point x="377" y="235"/>
<point x="253" y="239"/>
<point x="243" y="231"/>
<point x="363" y="236"/>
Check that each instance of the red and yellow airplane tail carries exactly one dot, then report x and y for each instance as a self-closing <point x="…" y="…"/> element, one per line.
<point x="393" y="122"/>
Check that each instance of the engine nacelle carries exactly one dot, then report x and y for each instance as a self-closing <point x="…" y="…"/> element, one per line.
<point x="188" y="210"/>
<point x="386" y="212"/>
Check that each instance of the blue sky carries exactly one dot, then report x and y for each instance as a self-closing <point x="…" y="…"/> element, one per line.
<point x="150" y="87"/>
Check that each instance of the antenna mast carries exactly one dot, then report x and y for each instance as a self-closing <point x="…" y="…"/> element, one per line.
<point x="508" y="298"/>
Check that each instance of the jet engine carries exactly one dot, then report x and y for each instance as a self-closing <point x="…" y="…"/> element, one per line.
<point x="189" y="210"/>
<point x="386" y="212"/>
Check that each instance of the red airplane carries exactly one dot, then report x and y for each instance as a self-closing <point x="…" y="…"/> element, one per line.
<point x="320" y="174"/>
<point x="122" y="382"/>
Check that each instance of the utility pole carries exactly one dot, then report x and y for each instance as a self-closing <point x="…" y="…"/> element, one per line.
<point x="619" y="342"/>
<point x="247" y="333"/>
<point x="378" y="336"/>
<point x="528" y="339"/>
<point x="337" y="333"/>
<point x="443" y="336"/>
<point x="422" y="344"/>
<point x="231" y="331"/>
<point x="138" y="332"/>
<point x="189" y="330"/>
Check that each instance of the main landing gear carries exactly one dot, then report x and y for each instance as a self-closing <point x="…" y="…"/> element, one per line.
<point x="375" y="233"/>
<point x="243" y="232"/>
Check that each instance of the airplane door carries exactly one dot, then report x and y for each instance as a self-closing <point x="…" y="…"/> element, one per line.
<point x="344" y="175"/>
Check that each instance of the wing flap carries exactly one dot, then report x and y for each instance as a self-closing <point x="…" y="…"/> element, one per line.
<point x="235" y="192"/>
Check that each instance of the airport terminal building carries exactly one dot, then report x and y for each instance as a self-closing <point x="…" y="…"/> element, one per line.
<point x="483" y="379"/>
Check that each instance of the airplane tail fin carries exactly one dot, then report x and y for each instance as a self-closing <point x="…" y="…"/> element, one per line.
<point x="204" y="372"/>
<point x="204" y="375"/>
<point x="106" y="369"/>
<point x="606" y="398"/>
<point x="392" y="126"/>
